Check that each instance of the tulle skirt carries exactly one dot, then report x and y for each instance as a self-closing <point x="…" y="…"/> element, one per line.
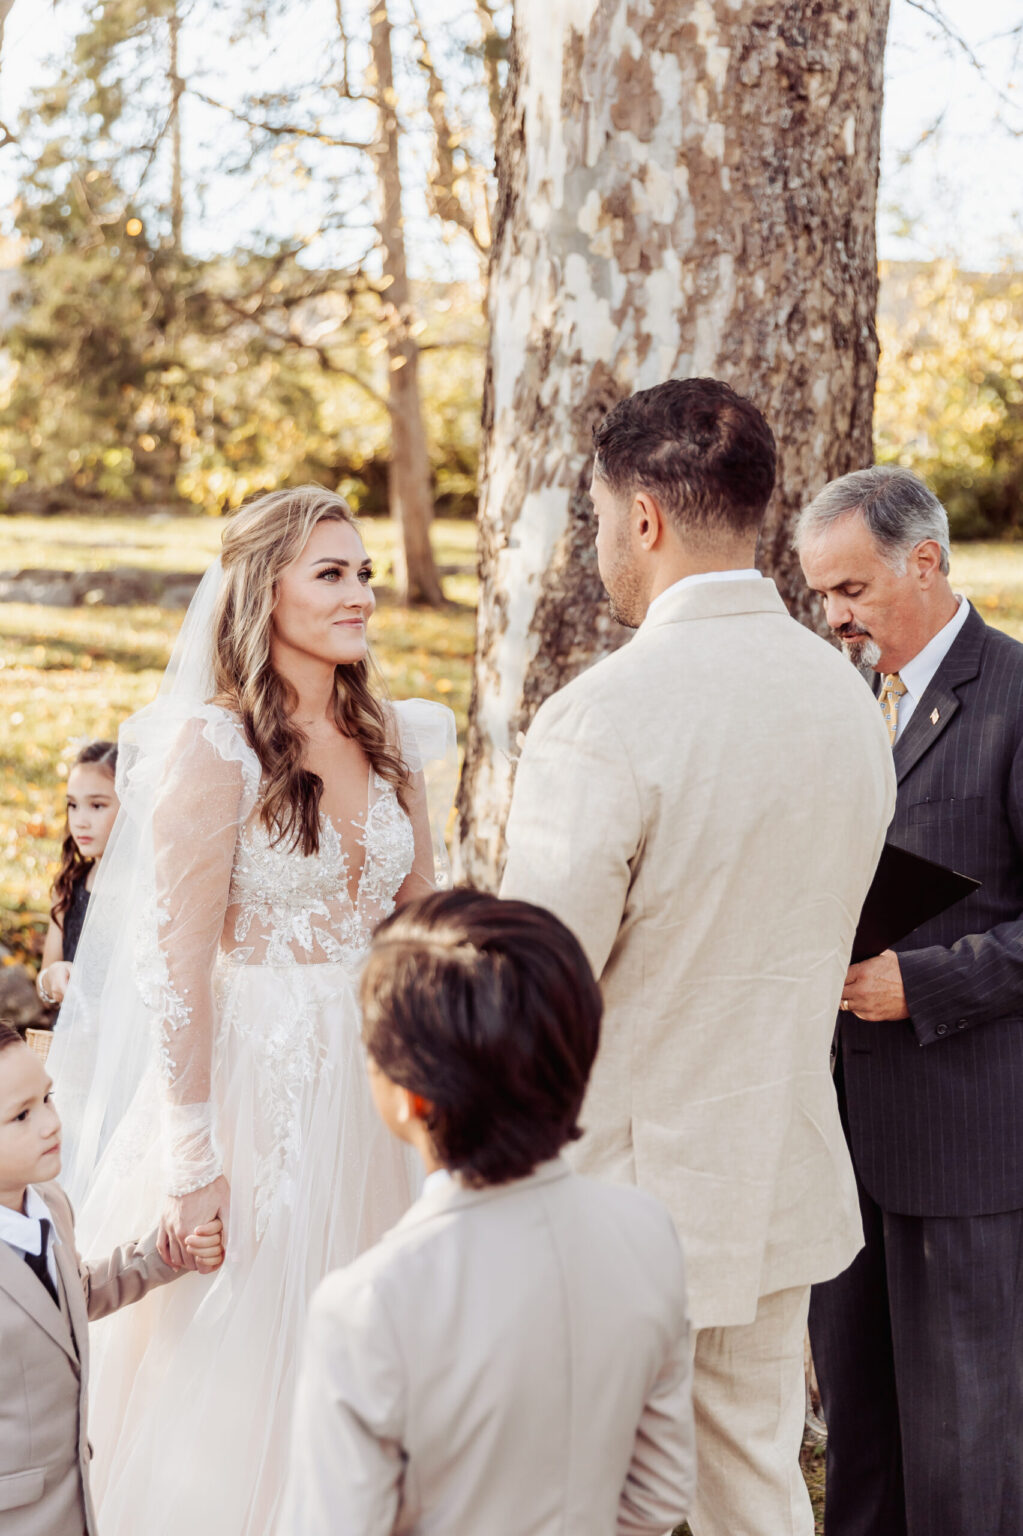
<point x="191" y="1388"/>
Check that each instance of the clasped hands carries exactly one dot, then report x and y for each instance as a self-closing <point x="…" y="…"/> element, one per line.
<point x="873" y="989"/>
<point x="193" y="1228"/>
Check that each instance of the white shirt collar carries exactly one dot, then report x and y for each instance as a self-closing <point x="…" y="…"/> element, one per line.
<point x="695" y="580"/>
<point x="918" y="673"/>
<point x="22" y="1231"/>
<point x="436" y="1180"/>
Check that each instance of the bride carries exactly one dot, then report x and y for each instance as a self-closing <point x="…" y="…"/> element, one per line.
<point x="208" y="1056"/>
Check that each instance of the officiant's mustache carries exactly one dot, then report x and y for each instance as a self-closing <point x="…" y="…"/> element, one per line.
<point x="850" y="631"/>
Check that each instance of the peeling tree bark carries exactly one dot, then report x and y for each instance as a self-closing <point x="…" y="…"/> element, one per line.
<point x="411" y="498"/>
<point x="685" y="187"/>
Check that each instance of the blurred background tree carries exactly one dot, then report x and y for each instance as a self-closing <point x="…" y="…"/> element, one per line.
<point x="147" y="362"/>
<point x="212" y="291"/>
<point x="950" y="393"/>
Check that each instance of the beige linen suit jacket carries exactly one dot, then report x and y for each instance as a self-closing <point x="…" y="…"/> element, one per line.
<point x="508" y="1360"/>
<point x="705" y="809"/>
<point x="44" y="1374"/>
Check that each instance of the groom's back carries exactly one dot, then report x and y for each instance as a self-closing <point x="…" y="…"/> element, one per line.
<point x="729" y="783"/>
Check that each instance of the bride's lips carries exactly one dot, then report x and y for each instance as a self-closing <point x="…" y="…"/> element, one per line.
<point x="51" y="1150"/>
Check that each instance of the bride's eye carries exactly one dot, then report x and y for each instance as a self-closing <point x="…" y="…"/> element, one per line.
<point x="330" y="570"/>
<point x="366" y="575"/>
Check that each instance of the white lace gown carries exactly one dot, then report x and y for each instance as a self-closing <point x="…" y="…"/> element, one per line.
<point x="250" y="970"/>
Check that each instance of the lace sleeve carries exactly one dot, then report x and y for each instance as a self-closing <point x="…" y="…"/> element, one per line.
<point x="199" y="808"/>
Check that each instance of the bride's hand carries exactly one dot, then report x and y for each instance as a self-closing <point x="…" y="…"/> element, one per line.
<point x="183" y="1213"/>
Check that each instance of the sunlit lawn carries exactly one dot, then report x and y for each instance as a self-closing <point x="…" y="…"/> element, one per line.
<point x="991" y="575"/>
<point x="73" y="674"/>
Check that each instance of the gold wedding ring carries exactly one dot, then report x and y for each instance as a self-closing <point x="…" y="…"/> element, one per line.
<point x="844" y="1005"/>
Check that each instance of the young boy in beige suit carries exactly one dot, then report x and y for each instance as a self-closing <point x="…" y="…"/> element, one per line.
<point x="513" y="1357"/>
<point x="47" y="1298"/>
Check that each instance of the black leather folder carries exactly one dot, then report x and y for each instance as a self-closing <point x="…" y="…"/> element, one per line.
<point x="907" y="890"/>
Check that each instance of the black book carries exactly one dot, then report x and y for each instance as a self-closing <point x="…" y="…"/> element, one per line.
<point x="907" y="890"/>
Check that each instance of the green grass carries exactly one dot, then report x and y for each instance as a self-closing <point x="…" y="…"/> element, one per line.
<point x="991" y="575"/>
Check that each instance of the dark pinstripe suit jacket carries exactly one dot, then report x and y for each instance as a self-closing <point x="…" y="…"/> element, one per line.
<point x="935" y="1104"/>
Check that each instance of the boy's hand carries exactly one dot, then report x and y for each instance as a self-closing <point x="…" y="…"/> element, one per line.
<point x="206" y="1246"/>
<point x="186" y="1214"/>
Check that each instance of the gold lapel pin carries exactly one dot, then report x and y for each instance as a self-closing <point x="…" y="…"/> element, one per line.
<point x="934" y="717"/>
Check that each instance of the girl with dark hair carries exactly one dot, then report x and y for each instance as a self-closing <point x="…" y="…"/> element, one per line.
<point x="92" y="807"/>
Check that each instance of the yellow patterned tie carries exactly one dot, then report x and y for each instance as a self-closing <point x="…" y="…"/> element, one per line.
<point x="892" y="690"/>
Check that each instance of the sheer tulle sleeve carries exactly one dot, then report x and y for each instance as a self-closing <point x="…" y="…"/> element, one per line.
<point x="200" y="805"/>
<point x="429" y="748"/>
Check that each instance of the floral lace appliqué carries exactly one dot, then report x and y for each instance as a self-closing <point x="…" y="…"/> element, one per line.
<point x="291" y="910"/>
<point x="287" y="908"/>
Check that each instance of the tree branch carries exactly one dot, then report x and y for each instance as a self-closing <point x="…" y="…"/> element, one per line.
<point x="280" y="130"/>
<point x="933" y="11"/>
<point x="442" y="196"/>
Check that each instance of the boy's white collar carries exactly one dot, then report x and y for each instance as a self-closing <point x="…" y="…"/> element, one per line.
<point x="22" y="1229"/>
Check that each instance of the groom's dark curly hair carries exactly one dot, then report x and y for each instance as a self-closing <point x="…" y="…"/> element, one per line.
<point x="705" y="452"/>
<point x="489" y="1012"/>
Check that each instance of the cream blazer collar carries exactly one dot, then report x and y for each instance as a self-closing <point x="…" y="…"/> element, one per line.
<point x="715" y="600"/>
<point x="453" y="1195"/>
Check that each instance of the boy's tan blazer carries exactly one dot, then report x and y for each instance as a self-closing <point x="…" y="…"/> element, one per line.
<point x="44" y="1374"/>
<point x="507" y="1360"/>
<point x="705" y="809"/>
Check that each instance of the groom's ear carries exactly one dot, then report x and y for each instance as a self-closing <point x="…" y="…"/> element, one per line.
<point x="647" y="520"/>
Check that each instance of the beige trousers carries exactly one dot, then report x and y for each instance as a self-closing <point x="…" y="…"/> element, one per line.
<point x="749" y="1402"/>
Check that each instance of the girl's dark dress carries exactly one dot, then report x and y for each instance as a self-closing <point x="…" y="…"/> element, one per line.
<point x="74" y="917"/>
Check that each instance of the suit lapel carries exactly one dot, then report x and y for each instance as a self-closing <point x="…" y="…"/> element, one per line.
<point x="66" y="1258"/>
<point x="28" y="1291"/>
<point x="940" y="702"/>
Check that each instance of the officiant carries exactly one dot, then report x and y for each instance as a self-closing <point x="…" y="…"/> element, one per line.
<point x="919" y="1344"/>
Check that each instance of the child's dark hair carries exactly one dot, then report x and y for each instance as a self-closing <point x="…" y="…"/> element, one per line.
<point x="102" y="754"/>
<point x="9" y="1035"/>
<point x="489" y="1011"/>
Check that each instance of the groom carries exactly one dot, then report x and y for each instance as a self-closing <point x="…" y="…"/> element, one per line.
<point x="705" y="808"/>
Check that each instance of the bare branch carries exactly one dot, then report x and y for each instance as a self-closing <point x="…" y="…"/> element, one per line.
<point x="442" y="195"/>
<point x="492" y="43"/>
<point x="933" y="11"/>
<point x="281" y="130"/>
<point x="344" y="86"/>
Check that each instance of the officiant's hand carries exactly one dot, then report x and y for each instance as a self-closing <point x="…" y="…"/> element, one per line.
<point x="184" y="1213"/>
<point x="873" y="989"/>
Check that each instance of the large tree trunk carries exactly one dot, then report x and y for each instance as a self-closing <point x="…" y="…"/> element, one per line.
<point x="411" y="498"/>
<point x="686" y="187"/>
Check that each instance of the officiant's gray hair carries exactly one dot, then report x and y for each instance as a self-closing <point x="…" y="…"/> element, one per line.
<point x="896" y="506"/>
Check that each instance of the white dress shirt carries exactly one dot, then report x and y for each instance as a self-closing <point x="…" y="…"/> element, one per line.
<point x="696" y="579"/>
<point x="919" y="673"/>
<point x="24" y="1232"/>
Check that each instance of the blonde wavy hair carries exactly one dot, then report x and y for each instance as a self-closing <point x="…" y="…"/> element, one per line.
<point x="260" y="540"/>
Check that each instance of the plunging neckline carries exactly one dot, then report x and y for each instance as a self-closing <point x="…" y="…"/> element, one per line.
<point x="357" y="834"/>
